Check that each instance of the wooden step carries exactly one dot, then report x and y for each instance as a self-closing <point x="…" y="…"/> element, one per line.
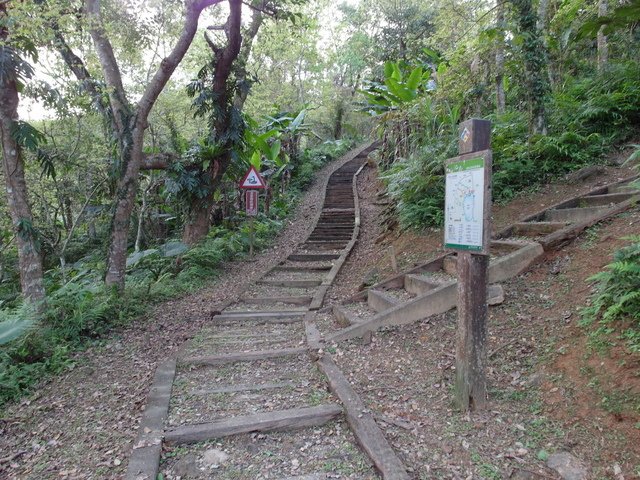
<point x="291" y="283"/>
<point x="211" y="360"/>
<point x="260" y="317"/>
<point x="312" y="257"/>
<point x="380" y="301"/>
<point x="260" y="422"/>
<point x="258" y="387"/>
<point x="270" y="300"/>
<point x="301" y="268"/>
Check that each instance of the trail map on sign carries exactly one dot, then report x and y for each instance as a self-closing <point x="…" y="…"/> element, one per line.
<point x="464" y="204"/>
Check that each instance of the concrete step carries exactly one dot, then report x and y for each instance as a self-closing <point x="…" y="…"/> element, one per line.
<point x="418" y="284"/>
<point x="379" y="300"/>
<point x="535" y="229"/>
<point x="625" y="188"/>
<point x="606" y="199"/>
<point x="572" y="215"/>
<point x="441" y="298"/>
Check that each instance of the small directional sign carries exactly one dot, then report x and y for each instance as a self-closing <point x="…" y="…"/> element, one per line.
<point x="252" y="179"/>
<point x="251" y="203"/>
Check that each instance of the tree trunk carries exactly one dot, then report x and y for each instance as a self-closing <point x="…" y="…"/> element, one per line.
<point x="500" y="94"/>
<point x="337" y="125"/>
<point x="535" y="65"/>
<point x="141" y="214"/>
<point x="197" y="225"/>
<point x="29" y="258"/>
<point x="130" y="159"/>
<point x="603" y="45"/>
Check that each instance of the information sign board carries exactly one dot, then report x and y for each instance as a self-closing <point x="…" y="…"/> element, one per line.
<point x="468" y="202"/>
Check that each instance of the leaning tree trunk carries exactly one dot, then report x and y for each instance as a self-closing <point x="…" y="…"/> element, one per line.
<point x="198" y="222"/>
<point x="29" y="258"/>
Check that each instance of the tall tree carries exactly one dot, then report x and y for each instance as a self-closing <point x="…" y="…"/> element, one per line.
<point x="500" y="28"/>
<point x="129" y="121"/>
<point x="225" y="128"/>
<point x="535" y="63"/>
<point x="13" y="70"/>
<point x="603" y="45"/>
<point x="220" y="93"/>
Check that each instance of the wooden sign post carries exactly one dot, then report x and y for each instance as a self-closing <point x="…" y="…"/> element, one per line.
<point x="468" y="231"/>
<point x="250" y="183"/>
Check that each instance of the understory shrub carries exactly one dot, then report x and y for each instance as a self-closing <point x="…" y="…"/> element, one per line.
<point x="617" y="295"/>
<point x="587" y="117"/>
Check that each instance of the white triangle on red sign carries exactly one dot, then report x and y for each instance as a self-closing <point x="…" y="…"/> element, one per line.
<point x="252" y="179"/>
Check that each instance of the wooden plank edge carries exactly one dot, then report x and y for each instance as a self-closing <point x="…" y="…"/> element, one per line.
<point x="144" y="461"/>
<point x="260" y="422"/>
<point x="318" y="298"/>
<point x="243" y="356"/>
<point x="314" y="338"/>
<point x="363" y="424"/>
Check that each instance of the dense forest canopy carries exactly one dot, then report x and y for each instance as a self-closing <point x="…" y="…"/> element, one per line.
<point x="121" y="177"/>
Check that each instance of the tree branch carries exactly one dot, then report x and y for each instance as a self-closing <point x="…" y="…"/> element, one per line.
<point x="231" y="51"/>
<point x="169" y="64"/>
<point x="157" y="161"/>
<point x="77" y="67"/>
<point x="257" y="18"/>
<point x="110" y="68"/>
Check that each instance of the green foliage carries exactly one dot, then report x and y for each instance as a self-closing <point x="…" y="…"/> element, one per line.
<point x="397" y="89"/>
<point x="623" y="16"/>
<point x="617" y="295"/>
<point x="416" y="184"/>
<point x="14" y="324"/>
<point x="315" y="158"/>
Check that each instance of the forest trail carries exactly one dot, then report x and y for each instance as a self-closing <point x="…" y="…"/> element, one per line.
<point x="263" y="363"/>
<point x="251" y="370"/>
<point x="252" y="365"/>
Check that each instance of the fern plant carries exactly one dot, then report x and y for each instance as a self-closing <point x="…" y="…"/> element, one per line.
<point x="617" y="295"/>
<point x="14" y="324"/>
